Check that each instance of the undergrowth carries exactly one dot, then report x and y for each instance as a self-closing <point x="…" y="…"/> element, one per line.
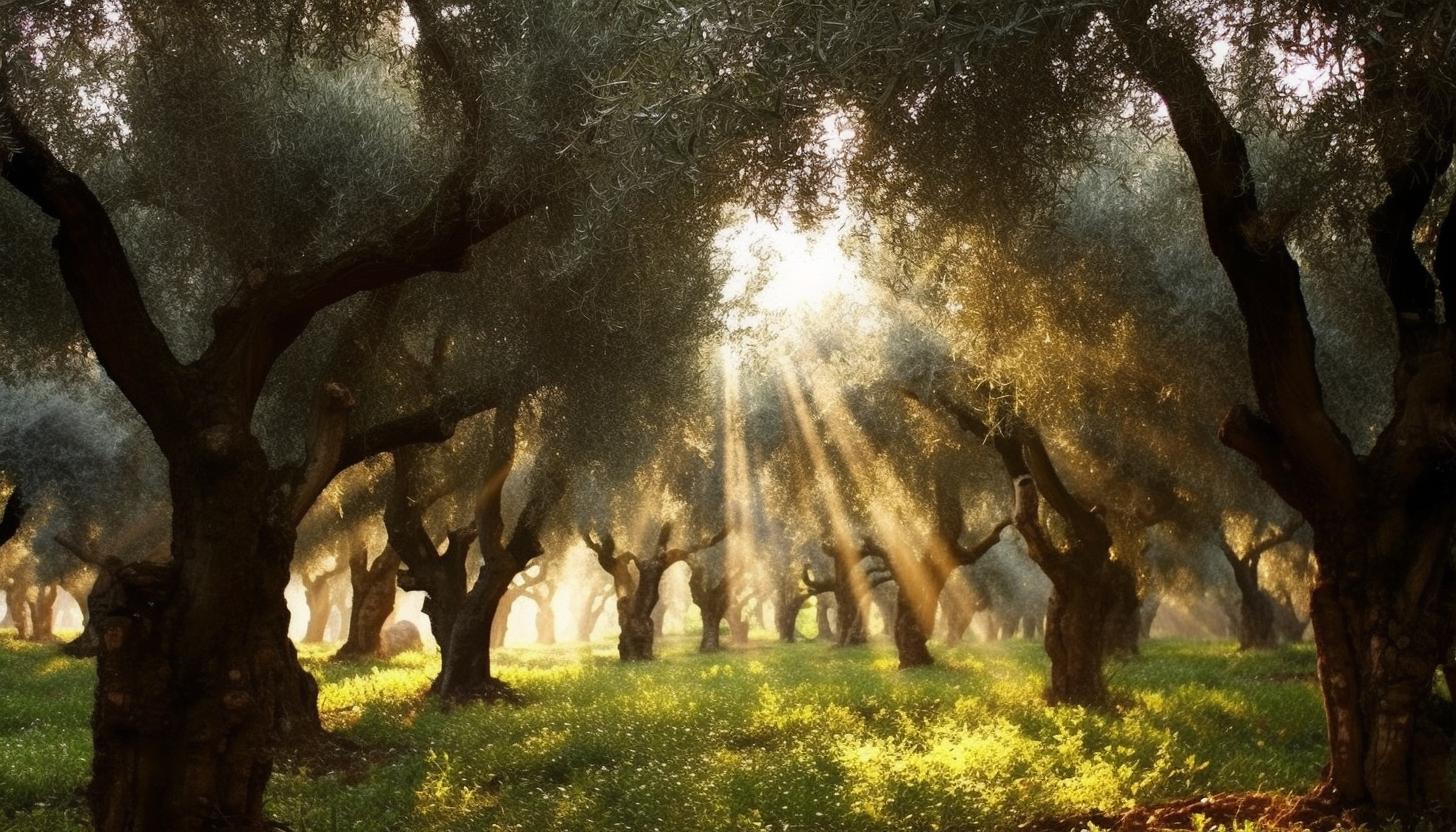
<point x="773" y="737"/>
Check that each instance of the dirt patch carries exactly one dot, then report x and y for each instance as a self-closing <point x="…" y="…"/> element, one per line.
<point x="325" y="753"/>
<point x="1306" y="813"/>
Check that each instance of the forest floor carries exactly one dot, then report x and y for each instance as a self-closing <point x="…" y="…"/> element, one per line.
<point x="767" y="737"/>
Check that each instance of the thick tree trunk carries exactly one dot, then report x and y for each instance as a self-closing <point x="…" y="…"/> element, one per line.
<point x="958" y="608"/>
<point x="13" y="514"/>
<point x="911" y="629"/>
<point x="501" y="617"/>
<point x="849" y="619"/>
<point x="920" y="582"/>
<point x="1258" y="612"/>
<point x="197" y="681"/>
<point x="17" y="604"/>
<point x="423" y="567"/>
<point x="1124" y="610"/>
<point x="823" y="624"/>
<point x="373" y="590"/>
<point x="712" y="598"/>
<point x="1088" y="587"/>
<point x="43" y="613"/>
<point x="1152" y="601"/>
<point x="318" y="593"/>
<point x="465" y="671"/>
<point x="637" y="595"/>
<point x="545" y="619"/>
<point x="1384" y="603"/>
<point x="786" y="616"/>
<point x="739" y="623"/>
<point x="1288" y="626"/>
<point x="1376" y="671"/>
<point x="1076" y="642"/>
<point x="1256" y="620"/>
<point x="634" y="613"/>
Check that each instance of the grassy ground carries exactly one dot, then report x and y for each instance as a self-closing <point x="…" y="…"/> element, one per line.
<point x="775" y="737"/>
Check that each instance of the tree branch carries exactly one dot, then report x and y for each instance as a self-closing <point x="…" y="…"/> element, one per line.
<point x="1264" y="277"/>
<point x="431" y="424"/>
<point x="328" y="425"/>
<point x="678" y="555"/>
<point x="84" y="553"/>
<point x="966" y="556"/>
<point x="271" y="315"/>
<point x="15" y="509"/>
<point x="98" y="277"/>
<point x="1026" y="517"/>
<point x="816" y="585"/>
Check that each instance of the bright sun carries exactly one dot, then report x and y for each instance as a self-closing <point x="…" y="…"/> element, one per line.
<point x="783" y="268"/>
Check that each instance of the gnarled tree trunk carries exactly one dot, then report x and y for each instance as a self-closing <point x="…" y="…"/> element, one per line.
<point x="318" y="592"/>
<point x="920" y="581"/>
<point x="637" y="581"/>
<point x="43" y="613"/>
<point x="791" y="600"/>
<point x="1257" y="609"/>
<point x="823" y="622"/>
<point x="17" y="604"/>
<point x="465" y="670"/>
<point x="423" y="568"/>
<point x="1094" y="598"/>
<point x="851" y="585"/>
<point x="373" y="590"/>
<point x="197" y="681"/>
<point x="1384" y="602"/>
<point x="196" y="678"/>
<point x="711" y="593"/>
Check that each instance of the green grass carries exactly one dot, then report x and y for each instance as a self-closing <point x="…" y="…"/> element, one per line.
<point x="774" y="737"/>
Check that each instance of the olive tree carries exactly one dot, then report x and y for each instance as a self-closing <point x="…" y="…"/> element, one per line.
<point x="219" y="200"/>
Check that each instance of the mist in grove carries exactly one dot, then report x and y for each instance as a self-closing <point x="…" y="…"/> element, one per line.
<point x="812" y="348"/>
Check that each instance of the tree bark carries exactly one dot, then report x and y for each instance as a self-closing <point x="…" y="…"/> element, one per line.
<point x="1092" y="595"/>
<point x="501" y="618"/>
<point x="823" y="623"/>
<point x="197" y="681"/>
<point x="711" y="593"/>
<point x="786" y="615"/>
<point x="14" y="513"/>
<point x="373" y="589"/>
<point x="852" y="582"/>
<point x="43" y="613"/>
<point x="17" y="604"/>
<point x="465" y="670"/>
<point x="739" y="619"/>
<point x="1258" y="610"/>
<point x="634" y="612"/>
